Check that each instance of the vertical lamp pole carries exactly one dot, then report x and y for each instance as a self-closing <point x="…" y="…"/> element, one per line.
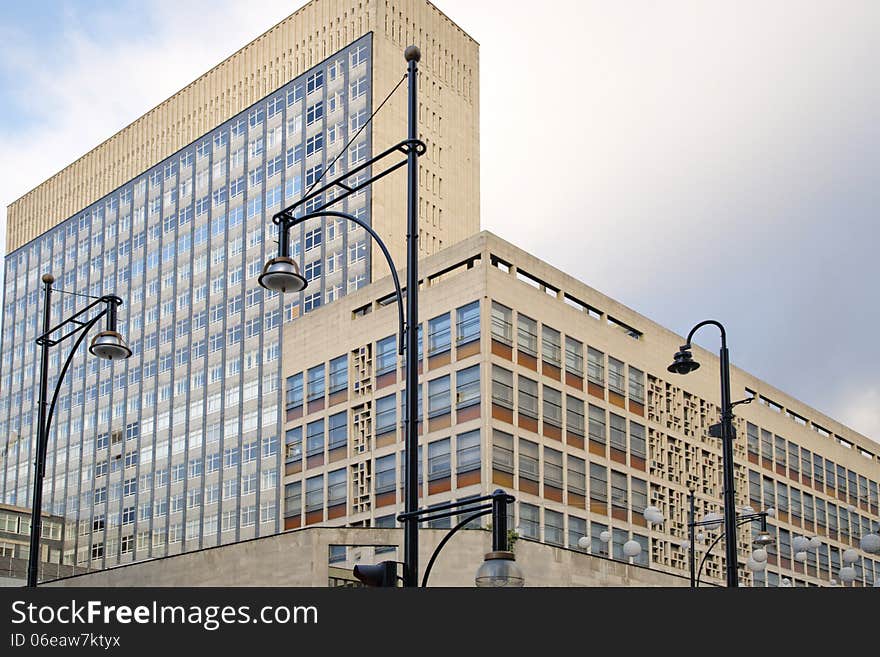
<point x="411" y="491"/>
<point x="692" y="538"/>
<point x="42" y="439"/>
<point x="683" y="363"/>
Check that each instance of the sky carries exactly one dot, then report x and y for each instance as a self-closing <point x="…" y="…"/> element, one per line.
<point x="707" y="159"/>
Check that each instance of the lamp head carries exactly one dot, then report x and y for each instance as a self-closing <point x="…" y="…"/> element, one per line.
<point x="499" y="569"/>
<point x="763" y="539"/>
<point x="683" y="362"/>
<point x="109" y="345"/>
<point x="280" y="274"/>
<point x="380" y="574"/>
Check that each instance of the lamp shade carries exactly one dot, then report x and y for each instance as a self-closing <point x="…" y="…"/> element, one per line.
<point x="756" y="566"/>
<point x="786" y="583"/>
<point x="847" y="574"/>
<point x="584" y="542"/>
<point x="109" y="345"/>
<point x="499" y="569"/>
<point x="632" y="548"/>
<point x="713" y="520"/>
<point x="815" y="543"/>
<point x="800" y="556"/>
<point x="800" y="543"/>
<point x="280" y="274"/>
<point x="759" y="554"/>
<point x="870" y="543"/>
<point x="683" y="362"/>
<point x="653" y="514"/>
<point x="605" y="536"/>
<point x="850" y="555"/>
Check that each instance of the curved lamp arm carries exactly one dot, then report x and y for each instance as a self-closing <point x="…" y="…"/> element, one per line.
<point x="446" y="539"/>
<point x="706" y="323"/>
<point x="740" y="521"/>
<point x="285" y="222"/>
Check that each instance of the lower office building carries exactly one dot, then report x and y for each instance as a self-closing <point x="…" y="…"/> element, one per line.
<point x="533" y="382"/>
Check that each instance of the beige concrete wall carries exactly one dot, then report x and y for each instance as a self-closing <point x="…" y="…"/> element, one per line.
<point x="450" y="103"/>
<point x="300" y="558"/>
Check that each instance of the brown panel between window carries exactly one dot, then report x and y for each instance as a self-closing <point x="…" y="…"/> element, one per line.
<point x="388" y="438"/>
<point x="470" y="478"/>
<point x="638" y="463"/>
<point x="599" y="507"/>
<point x="440" y="422"/>
<point x="574" y="381"/>
<point x="551" y="370"/>
<point x="317" y="405"/>
<point x="338" y="397"/>
<point x="552" y="431"/>
<point x="639" y="519"/>
<point x="527" y="360"/>
<point x="618" y="455"/>
<point x="597" y="448"/>
<point x="439" y="485"/>
<point x="503" y="350"/>
<point x="528" y="486"/>
<point x="552" y="493"/>
<point x="439" y="360"/>
<point x="502" y="478"/>
<point x="292" y="523"/>
<point x="335" y="511"/>
<point x="576" y="500"/>
<point x="315" y="461"/>
<point x="315" y="516"/>
<point x="338" y="454"/>
<point x="466" y="350"/>
<point x="618" y="514"/>
<point x="616" y="399"/>
<point x="502" y="413"/>
<point x="637" y="408"/>
<point x="293" y="467"/>
<point x="386" y="379"/>
<point x="527" y="423"/>
<point x="574" y="439"/>
<point x="467" y="413"/>
<point x="294" y="413"/>
<point x="596" y="390"/>
<point x="753" y="458"/>
<point x="384" y="499"/>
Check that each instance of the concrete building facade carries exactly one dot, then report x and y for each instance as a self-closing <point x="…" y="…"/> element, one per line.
<point x="533" y="382"/>
<point x="177" y="448"/>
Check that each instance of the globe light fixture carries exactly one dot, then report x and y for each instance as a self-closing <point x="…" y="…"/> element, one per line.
<point x="847" y="574"/>
<point x="605" y="536"/>
<point x="850" y="555"/>
<point x="870" y="543"/>
<point x="584" y="543"/>
<point x="759" y="555"/>
<point x="632" y="548"/>
<point x="815" y="543"/>
<point x="800" y="544"/>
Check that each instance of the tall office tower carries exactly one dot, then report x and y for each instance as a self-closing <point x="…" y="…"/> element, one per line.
<point x="177" y="448"/>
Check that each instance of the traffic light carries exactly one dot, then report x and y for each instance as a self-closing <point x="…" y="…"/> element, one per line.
<point x="380" y="574"/>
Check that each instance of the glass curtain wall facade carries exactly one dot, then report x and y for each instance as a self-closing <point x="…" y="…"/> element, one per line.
<point x="177" y="448"/>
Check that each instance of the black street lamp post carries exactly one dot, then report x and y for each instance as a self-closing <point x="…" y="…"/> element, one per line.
<point x="683" y="364"/>
<point x="108" y="344"/>
<point x="281" y="274"/>
<point x="763" y="539"/>
<point x="499" y="567"/>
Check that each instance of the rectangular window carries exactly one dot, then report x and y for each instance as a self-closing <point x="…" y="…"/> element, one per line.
<point x="467" y="387"/>
<point x="595" y="366"/>
<point x="439" y="340"/>
<point x="577" y="475"/>
<point x="574" y="357"/>
<point x="598" y="483"/>
<point x="502" y="451"/>
<point x="337" y="430"/>
<point x="574" y="415"/>
<point x="554" y="527"/>
<point x="639" y="496"/>
<point x="386" y="478"/>
<point x="527" y="335"/>
<point x="439" y="402"/>
<point x="386" y="418"/>
<point x="636" y="385"/>
<point x="637" y="444"/>
<point x="502" y="323"/>
<point x="552" y="406"/>
<point x="619" y="491"/>
<point x="552" y="468"/>
<point x="529" y="522"/>
<point x="316" y="382"/>
<point x="338" y="374"/>
<point x="314" y="493"/>
<point x="467" y="327"/>
<point x="617" y="436"/>
<point x="315" y="438"/>
<point x="528" y="459"/>
<point x="615" y="376"/>
<point x="551" y="346"/>
<point x="597" y="424"/>
<point x="337" y="490"/>
<point x="467" y="451"/>
<point x="386" y="355"/>
<point x="294" y="390"/>
<point x="438" y="459"/>
<point x="528" y="397"/>
<point x="502" y="387"/>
